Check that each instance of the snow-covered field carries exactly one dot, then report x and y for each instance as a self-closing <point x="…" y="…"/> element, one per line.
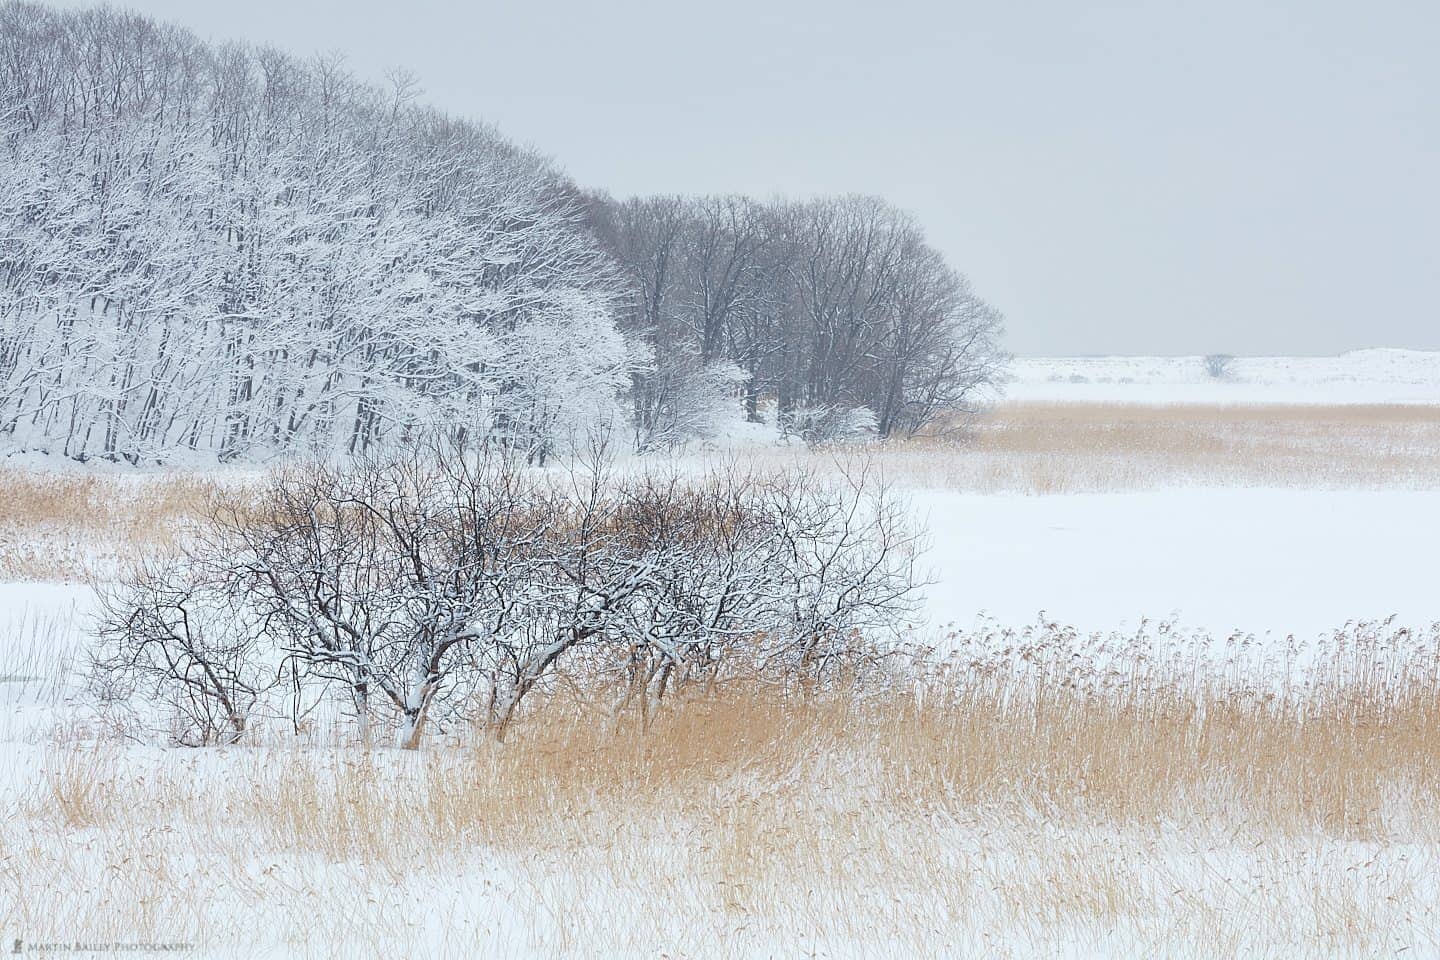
<point x="1238" y="558"/>
<point x="1256" y="561"/>
<point x="116" y="842"/>
<point x="1377" y="376"/>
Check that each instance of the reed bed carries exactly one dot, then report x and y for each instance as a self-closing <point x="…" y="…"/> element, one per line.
<point x="73" y="526"/>
<point x="1064" y="448"/>
<point x="1037" y="799"/>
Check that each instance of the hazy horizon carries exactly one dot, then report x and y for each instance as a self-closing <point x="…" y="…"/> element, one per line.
<point x="1256" y="179"/>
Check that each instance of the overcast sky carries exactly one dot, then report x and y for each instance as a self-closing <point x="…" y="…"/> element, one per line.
<point x="1247" y="176"/>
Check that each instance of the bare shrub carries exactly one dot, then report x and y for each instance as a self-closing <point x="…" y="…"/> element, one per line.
<point x="169" y="634"/>
<point x="781" y="579"/>
<point x="450" y="586"/>
<point x="389" y="577"/>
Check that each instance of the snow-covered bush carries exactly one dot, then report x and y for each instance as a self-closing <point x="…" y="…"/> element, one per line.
<point x="448" y="587"/>
<point x="828" y="425"/>
<point x="683" y="398"/>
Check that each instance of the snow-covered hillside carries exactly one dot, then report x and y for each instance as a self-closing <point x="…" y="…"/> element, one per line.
<point x="1360" y="376"/>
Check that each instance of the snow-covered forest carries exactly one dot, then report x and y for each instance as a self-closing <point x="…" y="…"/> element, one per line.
<point x="224" y="252"/>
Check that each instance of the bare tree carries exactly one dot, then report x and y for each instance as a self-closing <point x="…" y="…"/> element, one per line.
<point x="393" y="576"/>
<point x="167" y="633"/>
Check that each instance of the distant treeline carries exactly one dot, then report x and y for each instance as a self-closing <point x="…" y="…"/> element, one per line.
<point x="227" y="251"/>
<point x="836" y="309"/>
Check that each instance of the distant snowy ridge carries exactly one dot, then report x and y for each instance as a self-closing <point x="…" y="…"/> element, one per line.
<point x="1378" y="375"/>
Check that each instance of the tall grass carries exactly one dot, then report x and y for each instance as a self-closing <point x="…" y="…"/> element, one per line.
<point x="1060" y="448"/>
<point x="37" y="671"/>
<point x="1027" y="802"/>
<point x="71" y="526"/>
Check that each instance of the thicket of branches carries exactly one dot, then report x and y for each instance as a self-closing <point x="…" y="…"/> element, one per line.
<point x="226" y="251"/>
<point x="447" y="587"/>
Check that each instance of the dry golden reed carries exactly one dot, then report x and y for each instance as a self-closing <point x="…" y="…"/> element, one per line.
<point x="1055" y="448"/>
<point x="1021" y="807"/>
<point x="60" y="526"/>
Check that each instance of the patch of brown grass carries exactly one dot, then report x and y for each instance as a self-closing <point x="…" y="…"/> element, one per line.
<point x="1006" y="808"/>
<point x="81" y="790"/>
<point x="65" y="526"/>
<point x="1061" y="448"/>
<point x="62" y="526"/>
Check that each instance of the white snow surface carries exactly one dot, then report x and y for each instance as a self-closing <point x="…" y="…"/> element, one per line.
<point x="1377" y="376"/>
<point x="1282" y="561"/>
